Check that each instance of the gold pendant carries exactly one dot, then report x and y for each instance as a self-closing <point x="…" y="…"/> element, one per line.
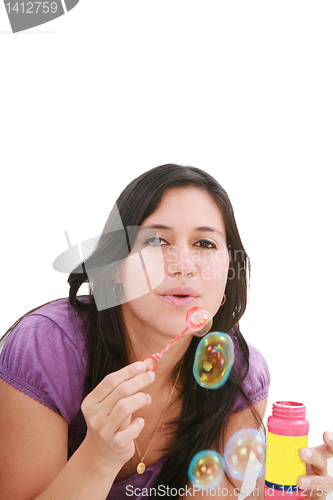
<point x="141" y="468"/>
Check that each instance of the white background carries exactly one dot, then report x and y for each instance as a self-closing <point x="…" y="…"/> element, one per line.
<point x="240" y="89"/>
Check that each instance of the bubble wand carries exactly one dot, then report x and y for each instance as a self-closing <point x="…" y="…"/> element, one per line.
<point x="199" y="322"/>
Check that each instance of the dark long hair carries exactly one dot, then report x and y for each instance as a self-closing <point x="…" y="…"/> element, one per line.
<point x="204" y="416"/>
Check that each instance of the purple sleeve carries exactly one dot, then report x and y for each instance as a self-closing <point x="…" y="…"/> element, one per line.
<point x="41" y="360"/>
<point x="256" y="383"/>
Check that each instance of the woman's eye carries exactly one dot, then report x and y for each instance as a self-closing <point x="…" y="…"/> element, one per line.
<point x="154" y="242"/>
<point x="157" y="241"/>
<point x="207" y="244"/>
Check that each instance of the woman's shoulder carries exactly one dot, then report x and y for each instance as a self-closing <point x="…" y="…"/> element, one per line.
<point x="257" y="380"/>
<point x="51" y="321"/>
<point x="44" y="357"/>
<point x="61" y="312"/>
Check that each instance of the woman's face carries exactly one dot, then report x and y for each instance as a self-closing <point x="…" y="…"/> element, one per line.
<point x="184" y="248"/>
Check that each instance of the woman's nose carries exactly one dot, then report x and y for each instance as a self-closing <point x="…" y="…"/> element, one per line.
<point x="180" y="261"/>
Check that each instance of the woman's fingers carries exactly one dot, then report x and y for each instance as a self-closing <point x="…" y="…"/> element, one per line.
<point x="327" y="448"/>
<point x="123" y="438"/>
<point x="115" y="421"/>
<point x="124" y="391"/>
<point x="126" y="407"/>
<point x="130" y="387"/>
<point x="100" y="402"/>
<point x="316" y="483"/>
<point x="126" y="423"/>
<point x="314" y="458"/>
<point x="112" y="381"/>
<point x="315" y="486"/>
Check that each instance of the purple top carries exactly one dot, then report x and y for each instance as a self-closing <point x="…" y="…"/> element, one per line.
<point x="43" y="358"/>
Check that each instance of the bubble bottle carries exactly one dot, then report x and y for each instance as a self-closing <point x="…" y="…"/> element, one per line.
<point x="287" y="433"/>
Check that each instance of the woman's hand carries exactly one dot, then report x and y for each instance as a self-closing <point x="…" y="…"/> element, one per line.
<point x="316" y="483"/>
<point x="108" y="413"/>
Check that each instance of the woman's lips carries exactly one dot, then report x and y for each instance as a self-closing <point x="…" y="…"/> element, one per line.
<point x="178" y="301"/>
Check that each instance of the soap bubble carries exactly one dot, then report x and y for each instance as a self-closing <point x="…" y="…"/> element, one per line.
<point x="199" y="321"/>
<point x="206" y="469"/>
<point x="239" y="458"/>
<point x="213" y="360"/>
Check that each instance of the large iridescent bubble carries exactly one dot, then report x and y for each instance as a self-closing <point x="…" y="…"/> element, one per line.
<point x="206" y="469"/>
<point x="213" y="360"/>
<point x="239" y="458"/>
<point x="199" y="321"/>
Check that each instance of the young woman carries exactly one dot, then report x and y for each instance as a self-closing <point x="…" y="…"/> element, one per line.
<point x="81" y="417"/>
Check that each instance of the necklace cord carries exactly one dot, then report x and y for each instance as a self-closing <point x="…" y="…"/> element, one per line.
<point x="141" y="468"/>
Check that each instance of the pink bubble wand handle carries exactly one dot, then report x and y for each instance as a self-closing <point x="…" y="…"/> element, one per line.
<point x="157" y="356"/>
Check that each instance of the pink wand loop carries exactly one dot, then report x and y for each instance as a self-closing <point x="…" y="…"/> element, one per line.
<point x="156" y="358"/>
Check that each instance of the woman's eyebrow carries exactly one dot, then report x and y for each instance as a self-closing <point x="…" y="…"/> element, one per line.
<point x="166" y="228"/>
